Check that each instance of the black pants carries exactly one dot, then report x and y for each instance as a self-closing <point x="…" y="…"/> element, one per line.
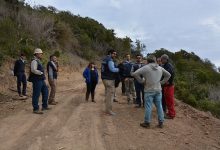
<point x="21" y="79"/>
<point x="123" y="86"/>
<point x="90" y="89"/>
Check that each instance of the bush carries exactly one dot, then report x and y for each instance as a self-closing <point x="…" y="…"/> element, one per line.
<point x="207" y="105"/>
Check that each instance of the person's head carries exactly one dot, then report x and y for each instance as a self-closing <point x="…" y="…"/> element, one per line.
<point x="91" y="65"/>
<point x="112" y="53"/>
<point x="22" y="56"/>
<point x="164" y="58"/>
<point x="53" y="58"/>
<point x="128" y="57"/>
<point x="38" y="53"/>
<point x="159" y="61"/>
<point x="139" y="58"/>
<point x="151" y="59"/>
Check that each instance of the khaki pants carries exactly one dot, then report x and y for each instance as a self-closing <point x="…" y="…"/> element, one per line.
<point x="109" y="94"/>
<point x="129" y="89"/>
<point x="52" y="90"/>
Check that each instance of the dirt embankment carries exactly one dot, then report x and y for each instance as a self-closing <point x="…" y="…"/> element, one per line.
<point x="74" y="124"/>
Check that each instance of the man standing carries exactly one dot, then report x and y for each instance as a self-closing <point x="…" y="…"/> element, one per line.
<point x="37" y="77"/>
<point x="52" y="70"/>
<point x="152" y="74"/>
<point x="139" y="87"/>
<point x="19" y="72"/>
<point x="168" y="88"/>
<point x="129" y="80"/>
<point x="108" y="74"/>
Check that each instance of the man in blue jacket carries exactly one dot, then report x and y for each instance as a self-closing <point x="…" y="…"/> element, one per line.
<point x="19" y="72"/>
<point x="108" y="75"/>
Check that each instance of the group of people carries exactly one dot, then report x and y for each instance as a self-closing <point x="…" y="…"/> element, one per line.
<point x="144" y="84"/>
<point x="37" y="76"/>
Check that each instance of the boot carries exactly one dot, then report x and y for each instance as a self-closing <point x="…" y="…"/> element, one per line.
<point x="93" y="97"/>
<point x="87" y="96"/>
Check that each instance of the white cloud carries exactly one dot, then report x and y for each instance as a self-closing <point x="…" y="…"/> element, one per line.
<point x="212" y="23"/>
<point x="115" y="4"/>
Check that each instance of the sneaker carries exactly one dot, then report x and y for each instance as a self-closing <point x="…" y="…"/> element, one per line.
<point x="160" y="125"/>
<point x="52" y="103"/>
<point x="37" y="112"/>
<point x="47" y="108"/>
<point x="168" y="117"/>
<point x="93" y="101"/>
<point x="137" y="106"/>
<point x="114" y="100"/>
<point x="111" y="113"/>
<point x="145" y="125"/>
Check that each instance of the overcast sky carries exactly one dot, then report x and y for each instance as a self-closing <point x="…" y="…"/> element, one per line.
<point x="192" y="25"/>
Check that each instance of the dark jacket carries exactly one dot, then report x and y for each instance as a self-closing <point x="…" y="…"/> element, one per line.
<point x="87" y="75"/>
<point x="49" y="64"/>
<point x="168" y="67"/>
<point x="106" y="73"/>
<point x="19" y="67"/>
<point x="127" y="66"/>
<point x="34" y="77"/>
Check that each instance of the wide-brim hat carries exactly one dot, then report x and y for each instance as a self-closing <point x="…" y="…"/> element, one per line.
<point x="38" y="51"/>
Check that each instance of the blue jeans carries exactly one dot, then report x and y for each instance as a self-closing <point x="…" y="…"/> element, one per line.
<point x="151" y="97"/>
<point x="39" y="87"/>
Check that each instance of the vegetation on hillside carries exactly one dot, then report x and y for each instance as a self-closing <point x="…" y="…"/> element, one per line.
<point x="23" y="28"/>
<point x="197" y="82"/>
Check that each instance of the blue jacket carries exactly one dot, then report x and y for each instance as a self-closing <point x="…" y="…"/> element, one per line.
<point x="87" y="75"/>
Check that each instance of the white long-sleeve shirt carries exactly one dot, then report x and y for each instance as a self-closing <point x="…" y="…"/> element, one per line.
<point x="34" y="65"/>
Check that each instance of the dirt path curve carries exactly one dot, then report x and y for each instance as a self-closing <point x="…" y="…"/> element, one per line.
<point x="74" y="124"/>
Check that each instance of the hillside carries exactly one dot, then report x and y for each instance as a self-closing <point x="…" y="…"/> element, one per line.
<point x="23" y="28"/>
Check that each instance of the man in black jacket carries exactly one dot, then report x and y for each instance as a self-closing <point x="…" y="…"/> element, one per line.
<point x="168" y="88"/>
<point x="19" y="72"/>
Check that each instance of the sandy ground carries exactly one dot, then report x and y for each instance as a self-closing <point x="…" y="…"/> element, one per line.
<point x="74" y="124"/>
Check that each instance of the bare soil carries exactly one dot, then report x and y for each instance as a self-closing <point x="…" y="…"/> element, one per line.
<point x="74" y="124"/>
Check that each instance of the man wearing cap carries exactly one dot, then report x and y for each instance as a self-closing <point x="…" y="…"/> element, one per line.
<point x="37" y="77"/>
<point x="19" y="72"/>
<point x="168" y="87"/>
<point x="150" y="75"/>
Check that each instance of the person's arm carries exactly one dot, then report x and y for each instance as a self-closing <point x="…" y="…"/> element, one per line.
<point x="166" y="76"/>
<point x="111" y="67"/>
<point x="137" y="75"/>
<point x="34" y="68"/>
<point x="132" y="69"/>
<point x="15" y="68"/>
<point x="50" y="73"/>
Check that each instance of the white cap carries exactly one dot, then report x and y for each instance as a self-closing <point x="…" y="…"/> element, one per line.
<point x="38" y="51"/>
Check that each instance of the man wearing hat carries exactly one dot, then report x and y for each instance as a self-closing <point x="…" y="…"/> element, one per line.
<point x="19" y="72"/>
<point x="37" y="77"/>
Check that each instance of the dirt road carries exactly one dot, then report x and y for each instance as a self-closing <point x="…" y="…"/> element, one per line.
<point x="74" y="124"/>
